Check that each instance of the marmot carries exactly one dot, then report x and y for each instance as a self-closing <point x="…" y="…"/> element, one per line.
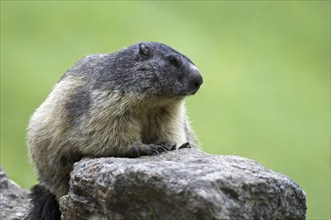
<point x="125" y="104"/>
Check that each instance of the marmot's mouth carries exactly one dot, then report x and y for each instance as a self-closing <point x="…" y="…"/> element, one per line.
<point x="189" y="92"/>
<point x="193" y="92"/>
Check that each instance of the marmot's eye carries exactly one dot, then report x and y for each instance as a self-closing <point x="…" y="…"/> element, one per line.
<point x="173" y="60"/>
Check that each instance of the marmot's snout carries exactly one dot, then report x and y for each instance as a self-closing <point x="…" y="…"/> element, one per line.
<point x="195" y="80"/>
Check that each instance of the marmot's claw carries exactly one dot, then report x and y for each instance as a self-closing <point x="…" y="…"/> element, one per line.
<point x="135" y="152"/>
<point x="173" y="147"/>
<point x="185" y="145"/>
<point x="151" y="149"/>
<point x="160" y="149"/>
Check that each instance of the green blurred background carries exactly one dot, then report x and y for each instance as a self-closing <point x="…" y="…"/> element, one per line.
<point x="266" y="68"/>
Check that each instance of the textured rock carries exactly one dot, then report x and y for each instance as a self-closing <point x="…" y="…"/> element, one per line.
<point x="183" y="184"/>
<point x="13" y="199"/>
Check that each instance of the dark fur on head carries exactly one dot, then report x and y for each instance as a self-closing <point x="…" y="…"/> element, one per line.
<point x="146" y="67"/>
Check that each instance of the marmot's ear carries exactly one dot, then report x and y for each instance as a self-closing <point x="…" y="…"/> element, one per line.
<point x="143" y="49"/>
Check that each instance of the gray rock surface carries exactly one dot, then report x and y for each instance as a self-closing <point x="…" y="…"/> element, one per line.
<point x="13" y="199"/>
<point x="183" y="184"/>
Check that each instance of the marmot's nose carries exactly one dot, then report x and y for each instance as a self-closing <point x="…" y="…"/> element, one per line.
<point x="195" y="80"/>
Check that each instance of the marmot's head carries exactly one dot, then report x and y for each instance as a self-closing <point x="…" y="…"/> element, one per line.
<point x="164" y="71"/>
<point x="147" y="67"/>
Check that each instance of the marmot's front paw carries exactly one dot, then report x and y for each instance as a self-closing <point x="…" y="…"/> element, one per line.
<point x="153" y="149"/>
<point x="148" y="150"/>
<point x="185" y="145"/>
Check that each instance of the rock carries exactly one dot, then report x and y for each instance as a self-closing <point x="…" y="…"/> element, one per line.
<point x="182" y="184"/>
<point x="14" y="200"/>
